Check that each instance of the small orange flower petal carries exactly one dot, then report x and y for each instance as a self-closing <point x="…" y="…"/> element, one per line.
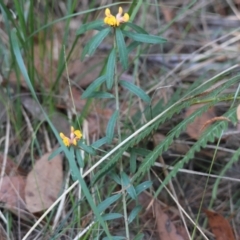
<point x="120" y="10"/>
<point x="126" y="17"/>
<point x="115" y="21"/>
<point x="78" y="134"/>
<point x="66" y="142"/>
<point x="74" y="142"/>
<point x="107" y="12"/>
<point x="75" y="135"/>
<point x="62" y="136"/>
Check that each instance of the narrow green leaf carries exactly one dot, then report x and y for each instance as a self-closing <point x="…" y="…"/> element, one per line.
<point x="107" y="202"/>
<point x="99" y="142"/>
<point x="100" y="95"/>
<point x="79" y="159"/>
<point x="143" y="186"/>
<point x="111" y="216"/>
<point x="55" y="153"/>
<point x="135" y="90"/>
<point x="95" y="42"/>
<point x="86" y="148"/>
<point x="89" y="26"/>
<point x="122" y="49"/>
<point x="111" y="126"/>
<point x="93" y="86"/>
<point x="144" y="38"/>
<point x="133" y="162"/>
<point x="111" y="69"/>
<point x="136" y="28"/>
<point x="115" y="177"/>
<point x="128" y="185"/>
<point x="20" y="62"/>
<point x="134" y="213"/>
<point x="132" y="192"/>
<point x="132" y="46"/>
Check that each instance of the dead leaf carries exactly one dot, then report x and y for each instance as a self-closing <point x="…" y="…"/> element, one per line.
<point x="11" y="167"/>
<point x="44" y="183"/>
<point x="85" y="72"/>
<point x="166" y="229"/>
<point x="194" y="129"/>
<point x="12" y="192"/>
<point x="168" y="12"/>
<point x="219" y="226"/>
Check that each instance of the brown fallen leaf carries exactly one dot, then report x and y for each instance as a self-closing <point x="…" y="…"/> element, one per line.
<point x="10" y="168"/>
<point x="220" y="226"/>
<point x="44" y="183"/>
<point x="166" y="229"/>
<point x="194" y="129"/>
<point x="12" y="192"/>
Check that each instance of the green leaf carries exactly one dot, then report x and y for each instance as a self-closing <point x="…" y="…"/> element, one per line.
<point x="134" y="213"/>
<point x="79" y="159"/>
<point x="111" y="126"/>
<point x="111" y="216"/>
<point x="122" y="49"/>
<point x="115" y="177"/>
<point x="55" y="153"/>
<point x="111" y="69"/>
<point x="100" y="142"/>
<point x="93" y="86"/>
<point x="95" y="42"/>
<point x="136" y="27"/>
<point x="133" y="162"/>
<point x="86" y="148"/>
<point x="107" y="202"/>
<point x="128" y="186"/>
<point x="20" y="62"/>
<point x="143" y="186"/>
<point x="132" y="46"/>
<point x="135" y="90"/>
<point x="100" y="95"/>
<point x="89" y="26"/>
<point x="144" y="38"/>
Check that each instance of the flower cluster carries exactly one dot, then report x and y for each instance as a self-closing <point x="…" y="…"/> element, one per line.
<point x="75" y="135"/>
<point x="115" y="21"/>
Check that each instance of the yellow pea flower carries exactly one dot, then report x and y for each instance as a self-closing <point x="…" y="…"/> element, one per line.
<point x="75" y="135"/>
<point x="115" y="21"/>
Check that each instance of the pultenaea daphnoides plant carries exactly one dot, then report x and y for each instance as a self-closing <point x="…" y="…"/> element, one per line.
<point x="124" y="41"/>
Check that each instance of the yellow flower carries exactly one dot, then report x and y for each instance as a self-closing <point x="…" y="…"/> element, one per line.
<point x="115" y="21"/>
<point x="75" y="135"/>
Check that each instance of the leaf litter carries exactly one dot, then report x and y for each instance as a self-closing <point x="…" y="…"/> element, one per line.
<point x="44" y="183"/>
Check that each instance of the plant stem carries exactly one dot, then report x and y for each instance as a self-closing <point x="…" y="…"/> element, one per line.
<point x="119" y="138"/>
